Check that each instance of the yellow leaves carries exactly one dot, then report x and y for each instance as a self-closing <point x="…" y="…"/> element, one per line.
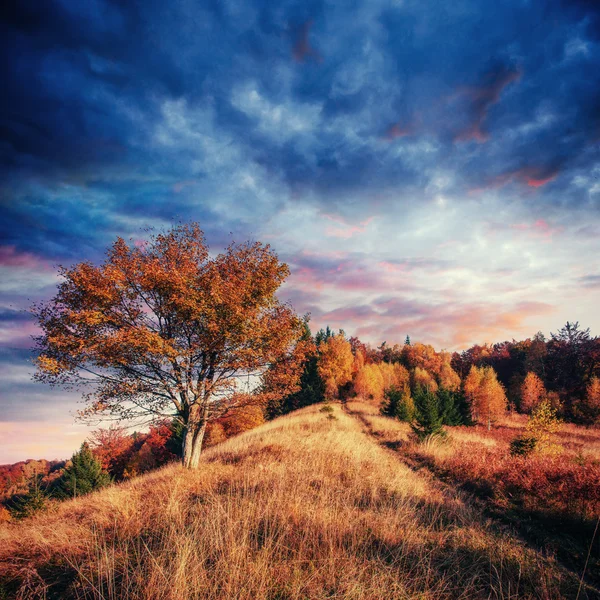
<point x="424" y="379"/>
<point x="49" y="365"/>
<point x="542" y="423"/>
<point x="448" y="378"/>
<point x="373" y="380"/>
<point x="593" y="393"/>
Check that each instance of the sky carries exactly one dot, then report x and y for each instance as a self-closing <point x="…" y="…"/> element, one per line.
<point x="424" y="168"/>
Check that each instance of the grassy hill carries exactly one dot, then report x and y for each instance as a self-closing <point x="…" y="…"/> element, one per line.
<point x="308" y="506"/>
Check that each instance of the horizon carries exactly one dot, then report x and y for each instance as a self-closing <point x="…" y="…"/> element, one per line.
<point x="423" y="173"/>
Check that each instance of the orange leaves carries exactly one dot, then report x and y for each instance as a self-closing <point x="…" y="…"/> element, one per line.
<point x="424" y="379"/>
<point x="486" y="394"/>
<point x="593" y="393"/>
<point x="163" y="322"/>
<point x="49" y="365"/>
<point x="336" y="363"/>
<point x="532" y="392"/>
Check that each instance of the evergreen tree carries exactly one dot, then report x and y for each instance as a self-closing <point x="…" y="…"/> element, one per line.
<point x="33" y="501"/>
<point x="83" y="475"/>
<point x="428" y="421"/>
<point x="454" y="408"/>
<point x="407" y="340"/>
<point x="398" y="403"/>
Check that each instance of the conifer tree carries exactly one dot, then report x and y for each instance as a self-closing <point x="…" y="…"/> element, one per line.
<point x="428" y="420"/>
<point x="398" y="403"/>
<point x="453" y="407"/>
<point x="83" y="475"/>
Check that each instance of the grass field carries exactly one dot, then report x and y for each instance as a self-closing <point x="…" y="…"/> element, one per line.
<point x="308" y="506"/>
<point x="552" y="499"/>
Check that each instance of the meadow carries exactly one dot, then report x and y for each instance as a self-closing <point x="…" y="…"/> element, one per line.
<point x="311" y="505"/>
<point x="552" y="499"/>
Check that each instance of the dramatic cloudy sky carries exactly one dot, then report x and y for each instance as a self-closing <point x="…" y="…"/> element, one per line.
<point x="425" y="168"/>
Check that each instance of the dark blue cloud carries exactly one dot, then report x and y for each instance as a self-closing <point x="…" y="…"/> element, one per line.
<point x="82" y="83"/>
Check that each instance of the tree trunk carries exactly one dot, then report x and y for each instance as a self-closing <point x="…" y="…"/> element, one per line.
<point x="192" y="444"/>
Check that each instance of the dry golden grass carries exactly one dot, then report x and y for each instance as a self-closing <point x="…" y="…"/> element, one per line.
<point x="304" y="507"/>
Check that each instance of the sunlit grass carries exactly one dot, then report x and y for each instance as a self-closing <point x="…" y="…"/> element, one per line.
<point x="302" y="507"/>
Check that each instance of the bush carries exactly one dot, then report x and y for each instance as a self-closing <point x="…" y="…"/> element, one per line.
<point x="327" y="408"/>
<point x="542" y="423"/>
<point x="523" y="446"/>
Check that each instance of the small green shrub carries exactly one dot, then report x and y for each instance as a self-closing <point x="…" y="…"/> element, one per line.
<point x="327" y="408"/>
<point x="33" y="501"/>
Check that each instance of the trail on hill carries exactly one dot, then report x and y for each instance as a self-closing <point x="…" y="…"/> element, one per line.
<point x="392" y="436"/>
<point x="307" y="507"/>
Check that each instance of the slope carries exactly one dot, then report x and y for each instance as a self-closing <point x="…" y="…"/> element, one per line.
<point x="306" y="506"/>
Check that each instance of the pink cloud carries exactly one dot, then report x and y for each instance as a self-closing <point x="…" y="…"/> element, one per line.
<point x="39" y="439"/>
<point x="396" y="130"/>
<point x="17" y="333"/>
<point x="11" y="257"/>
<point x="539" y="228"/>
<point x="480" y="99"/>
<point x="343" y="229"/>
<point x="453" y="326"/>
<point x="532" y="176"/>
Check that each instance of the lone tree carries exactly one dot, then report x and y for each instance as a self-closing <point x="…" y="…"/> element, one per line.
<point x="162" y="329"/>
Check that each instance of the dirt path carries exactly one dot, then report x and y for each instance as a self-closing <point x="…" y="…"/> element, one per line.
<point x="549" y="539"/>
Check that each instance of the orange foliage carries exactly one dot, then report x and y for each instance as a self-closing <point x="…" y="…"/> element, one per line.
<point x="424" y="379"/>
<point x="486" y="395"/>
<point x="551" y="484"/>
<point x="336" y="363"/>
<point x="246" y="418"/>
<point x="593" y="393"/>
<point x="423" y="356"/>
<point x="374" y="379"/>
<point x="532" y="392"/>
<point x="113" y="447"/>
<point x="448" y="378"/>
<point x="164" y="327"/>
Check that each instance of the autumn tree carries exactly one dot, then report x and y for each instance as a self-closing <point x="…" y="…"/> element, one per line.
<point x="369" y="383"/>
<point x="424" y="379"/>
<point x="113" y="447"/>
<point x="532" y="392"/>
<point x="486" y="395"/>
<point x="162" y="328"/>
<point x="335" y="363"/>
<point x="311" y="388"/>
<point x="587" y="411"/>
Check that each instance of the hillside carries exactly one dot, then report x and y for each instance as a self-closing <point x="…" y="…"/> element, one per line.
<point x="310" y="505"/>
